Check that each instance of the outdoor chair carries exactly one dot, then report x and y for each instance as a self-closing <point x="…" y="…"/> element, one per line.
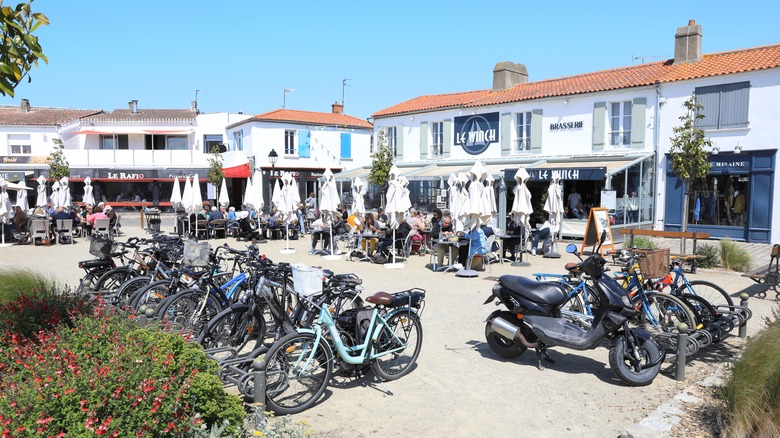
<point x="39" y="230"/>
<point x="201" y="229"/>
<point x="65" y="230"/>
<point x="217" y="228"/>
<point x="103" y="228"/>
<point x="490" y="253"/>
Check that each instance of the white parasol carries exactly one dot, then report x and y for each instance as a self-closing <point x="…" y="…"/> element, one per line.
<point x="197" y="200"/>
<point x="5" y="208"/>
<point x="64" y="199"/>
<point x="276" y="196"/>
<point x="288" y="203"/>
<point x="55" y="195"/>
<point x="256" y="197"/>
<point x="554" y="206"/>
<point x="223" y="199"/>
<point x="329" y="201"/>
<point x="455" y="200"/>
<point x="398" y="204"/>
<point x="40" y="201"/>
<point x="357" y="196"/>
<point x="489" y="198"/>
<point x="175" y="193"/>
<point x="474" y="212"/>
<point x="249" y="193"/>
<point x="89" y="198"/>
<point x="21" y="194"/>
<point x="186" y="196"/>
<point x="521" y="206"/>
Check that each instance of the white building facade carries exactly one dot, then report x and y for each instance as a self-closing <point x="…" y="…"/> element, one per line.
<point x="608" y="133"/>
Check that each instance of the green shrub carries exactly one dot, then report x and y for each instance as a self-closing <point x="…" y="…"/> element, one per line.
<point x="642" y="243"/>
<point x="30" y="303"/>
<point x="107" y="376"/>
<point x="734" y="257"/>
<point x="752" y="394"/>
<point x="710" y="253"/>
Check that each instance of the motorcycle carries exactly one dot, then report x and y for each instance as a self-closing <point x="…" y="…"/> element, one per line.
<point x="534" y="319"/>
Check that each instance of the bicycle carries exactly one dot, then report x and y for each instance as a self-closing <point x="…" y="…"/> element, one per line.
<point x="299" y="365"/>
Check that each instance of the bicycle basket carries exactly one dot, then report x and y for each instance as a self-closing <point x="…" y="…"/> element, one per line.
<point x="654" y="263"/>
<point x="102" y="248"/>
<point x="196" y="254"/>
<point x="307" y="280"/>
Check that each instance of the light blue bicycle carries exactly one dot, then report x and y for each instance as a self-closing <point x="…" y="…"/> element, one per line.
<point x="386" y="337"/>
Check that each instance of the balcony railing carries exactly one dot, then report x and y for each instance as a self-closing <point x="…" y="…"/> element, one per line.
<point x="134" y="157"/>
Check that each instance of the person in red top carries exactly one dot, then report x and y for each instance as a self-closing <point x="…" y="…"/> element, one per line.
<point x="97" y="215"/>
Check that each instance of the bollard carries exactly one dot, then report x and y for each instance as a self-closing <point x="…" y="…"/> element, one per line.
<point x="743" y="301"/>
<point x="142" y="320"/>
<point x="259" y="380"/>
<point x="682" y="351"/>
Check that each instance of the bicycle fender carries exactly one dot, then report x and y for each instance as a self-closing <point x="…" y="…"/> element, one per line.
<point x="399" y="310"/>
<point x="239" y="306"/>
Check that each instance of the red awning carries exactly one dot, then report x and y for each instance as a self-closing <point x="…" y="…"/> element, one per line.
<point x="168" y="131"/>
<point x="240" y="171"/>
<point x="89" y="132"/>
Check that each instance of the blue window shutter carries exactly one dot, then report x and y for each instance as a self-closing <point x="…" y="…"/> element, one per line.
<point x="599" y="119"/>
<point x="304" y="143"/>
<point x="675" y="191"/>
<point x="346" y="146"/>
<point x="638" y="113"/>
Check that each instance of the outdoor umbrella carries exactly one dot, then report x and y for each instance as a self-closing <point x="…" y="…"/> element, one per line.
<point x="288" y="203"/>
<point x="489" y="198"/>
<point x="276" y="196"/>
<point x="223" y="199"/>
<point x="357" y="197"/>
<point x="89" y="198"/>
<point x="249" y="193"/>
<point x="256" y="197"/>
<point x="197" y="200"/>
<point x="329" y="200"/>
<point x="64" y="194"/>
<point x="521" y="206"/>
<point x="5" y="207"/>
<point x="554" y="206"/>
<point x="186" y="201"/>
<point x="55" y="195"/>
<point x="21" y="194"/>
<point x="175" y="194"/>
<point x="397" y="205"/>
<point x="473" y="213"/>
<point x="40" y="201"/>
<point x="455" y="199"/>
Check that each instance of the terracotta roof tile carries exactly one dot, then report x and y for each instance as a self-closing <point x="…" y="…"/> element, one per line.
<point x="715" y="64"/>
<point x="311" y="118"/>
<point x="124" y="115"/>
<point x="40" y="116"/>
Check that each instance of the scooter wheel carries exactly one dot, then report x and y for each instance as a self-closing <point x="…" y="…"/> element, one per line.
<point x="632" y="373"/>
<point x="508" y="348"/>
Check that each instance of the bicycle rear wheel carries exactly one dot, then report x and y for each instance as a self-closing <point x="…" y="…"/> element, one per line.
<point x="297" y="371"/>
<point x="400" y="341"/>
<point x="711" y="292"/>
<point x="663" y="313"/>
<point x="234" y="327"/>
<point x="186" y="312"/>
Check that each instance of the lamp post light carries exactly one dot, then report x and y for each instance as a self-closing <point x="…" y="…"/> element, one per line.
<point x="272" y="157"/>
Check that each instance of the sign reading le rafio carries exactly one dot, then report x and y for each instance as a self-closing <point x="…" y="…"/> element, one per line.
<point x="476" y="132"/>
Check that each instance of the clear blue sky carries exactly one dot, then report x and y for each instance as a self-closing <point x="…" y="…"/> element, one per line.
<point x="243" y="54"/>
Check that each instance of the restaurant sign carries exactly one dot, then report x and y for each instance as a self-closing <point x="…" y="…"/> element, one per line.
<point x="23" y="159"/>
<point x="566" y="173"/>
<point x="476" y="132"/>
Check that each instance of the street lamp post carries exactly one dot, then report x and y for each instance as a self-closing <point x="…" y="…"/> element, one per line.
<point x="272" y="157"/>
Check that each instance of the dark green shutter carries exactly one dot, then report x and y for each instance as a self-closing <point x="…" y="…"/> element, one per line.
<point x="638" y="115"/>
<point x="506" y="134"/>
<point x="447" y="146"/>
<point x="599" y="119"/>
<point x="423" y="140"/>
<point x="536" y="131"/>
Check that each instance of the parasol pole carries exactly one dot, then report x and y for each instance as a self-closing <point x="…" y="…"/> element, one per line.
<point x="467" y="271"/>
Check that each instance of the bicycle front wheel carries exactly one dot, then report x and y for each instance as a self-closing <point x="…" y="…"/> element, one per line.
<point x="297" y="371"/>
<point x="663" y="312"/>
<point x="397" y="345"/>
<point x="711" y="292"/>
<point x="187" y="313"/>
<point x="234" y="327"/>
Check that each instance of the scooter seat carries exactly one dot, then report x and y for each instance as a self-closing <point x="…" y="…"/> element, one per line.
<point x="541" y="292"/>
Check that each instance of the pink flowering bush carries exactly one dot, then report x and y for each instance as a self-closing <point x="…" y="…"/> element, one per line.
<point x="106" y="376"/>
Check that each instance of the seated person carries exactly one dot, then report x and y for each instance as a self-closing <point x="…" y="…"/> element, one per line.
<point x="400" y="234"/>
<point x="513" y="245"/>
<point x="355" y="222"/>
<point x="319" y="230"/>
<point x="476" y="246"/>
<point x="541" y="234"/>
<point x="445" y="231"/>
<point x="113" y="219"/>
<point x="20" y="220"/>
<point x="488" y="230"/>
<point x="215" y="214"/>
<point x="370" y="227"/>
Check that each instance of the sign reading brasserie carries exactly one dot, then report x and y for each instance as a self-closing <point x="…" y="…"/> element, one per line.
<point x="564" y="126"/>
<point x="476" y="132"/>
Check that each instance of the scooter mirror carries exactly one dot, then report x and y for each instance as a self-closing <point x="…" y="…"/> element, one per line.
<point x="571" y="248"/>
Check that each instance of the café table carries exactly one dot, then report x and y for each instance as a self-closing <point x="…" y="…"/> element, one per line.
<point x="365" y="237"/>
<point x="513" y="241"/>
<point x="450" y="263"/>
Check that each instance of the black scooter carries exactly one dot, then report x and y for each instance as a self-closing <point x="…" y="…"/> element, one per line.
<point x="534" y="320"/>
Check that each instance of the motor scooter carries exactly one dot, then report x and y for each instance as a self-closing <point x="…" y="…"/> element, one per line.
<point x="534" y="319"/>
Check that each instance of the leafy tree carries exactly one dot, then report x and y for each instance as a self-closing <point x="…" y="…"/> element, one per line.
<point x="689" y="152"/>
<point x="216" y="175"/>
<point x="381" y="161"/>
<point x="19" y="51"/>
<point x="58" y="164"/>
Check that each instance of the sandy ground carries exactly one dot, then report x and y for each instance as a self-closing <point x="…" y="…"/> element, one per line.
<point x="458" y="387"/>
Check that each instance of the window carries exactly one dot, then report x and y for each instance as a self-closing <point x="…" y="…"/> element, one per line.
<point x="724" y="106"/>
<point x="238" y="140"/>
<point x="392" y="140"/>
<point x="720" y="200"/>
<point x="620" y="124"/>
<point x="21" y="149"/>
<point x="210" y="141"/>
<point x="116" y="141"/>
<point x="371" y="144"/>
<point x="289" y="142"/>
<point x="176" y="142"/>
<point x="523" y="144"/>
<point x="437" y="139"/>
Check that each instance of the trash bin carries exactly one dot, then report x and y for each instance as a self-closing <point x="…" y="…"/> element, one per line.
<point x="153" y="220"/>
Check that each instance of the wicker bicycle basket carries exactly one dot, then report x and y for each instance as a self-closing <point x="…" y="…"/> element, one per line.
<point x="196" y="254"/>
<point x="654" y="263"/>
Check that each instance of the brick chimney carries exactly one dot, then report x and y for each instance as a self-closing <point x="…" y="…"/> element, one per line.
<point x="506" y="75"/>
<point x="133" y="105"/>
<point x="687" y="43"/>
<point x="25" y="106"/>
<point x="337" y="108"/>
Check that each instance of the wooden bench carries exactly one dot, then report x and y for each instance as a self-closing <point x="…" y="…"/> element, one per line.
<point x="769" y="274"/>
<point x="684" y="258"/>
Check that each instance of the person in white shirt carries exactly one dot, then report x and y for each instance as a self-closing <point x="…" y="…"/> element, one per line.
<point x="574" y="199"/>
